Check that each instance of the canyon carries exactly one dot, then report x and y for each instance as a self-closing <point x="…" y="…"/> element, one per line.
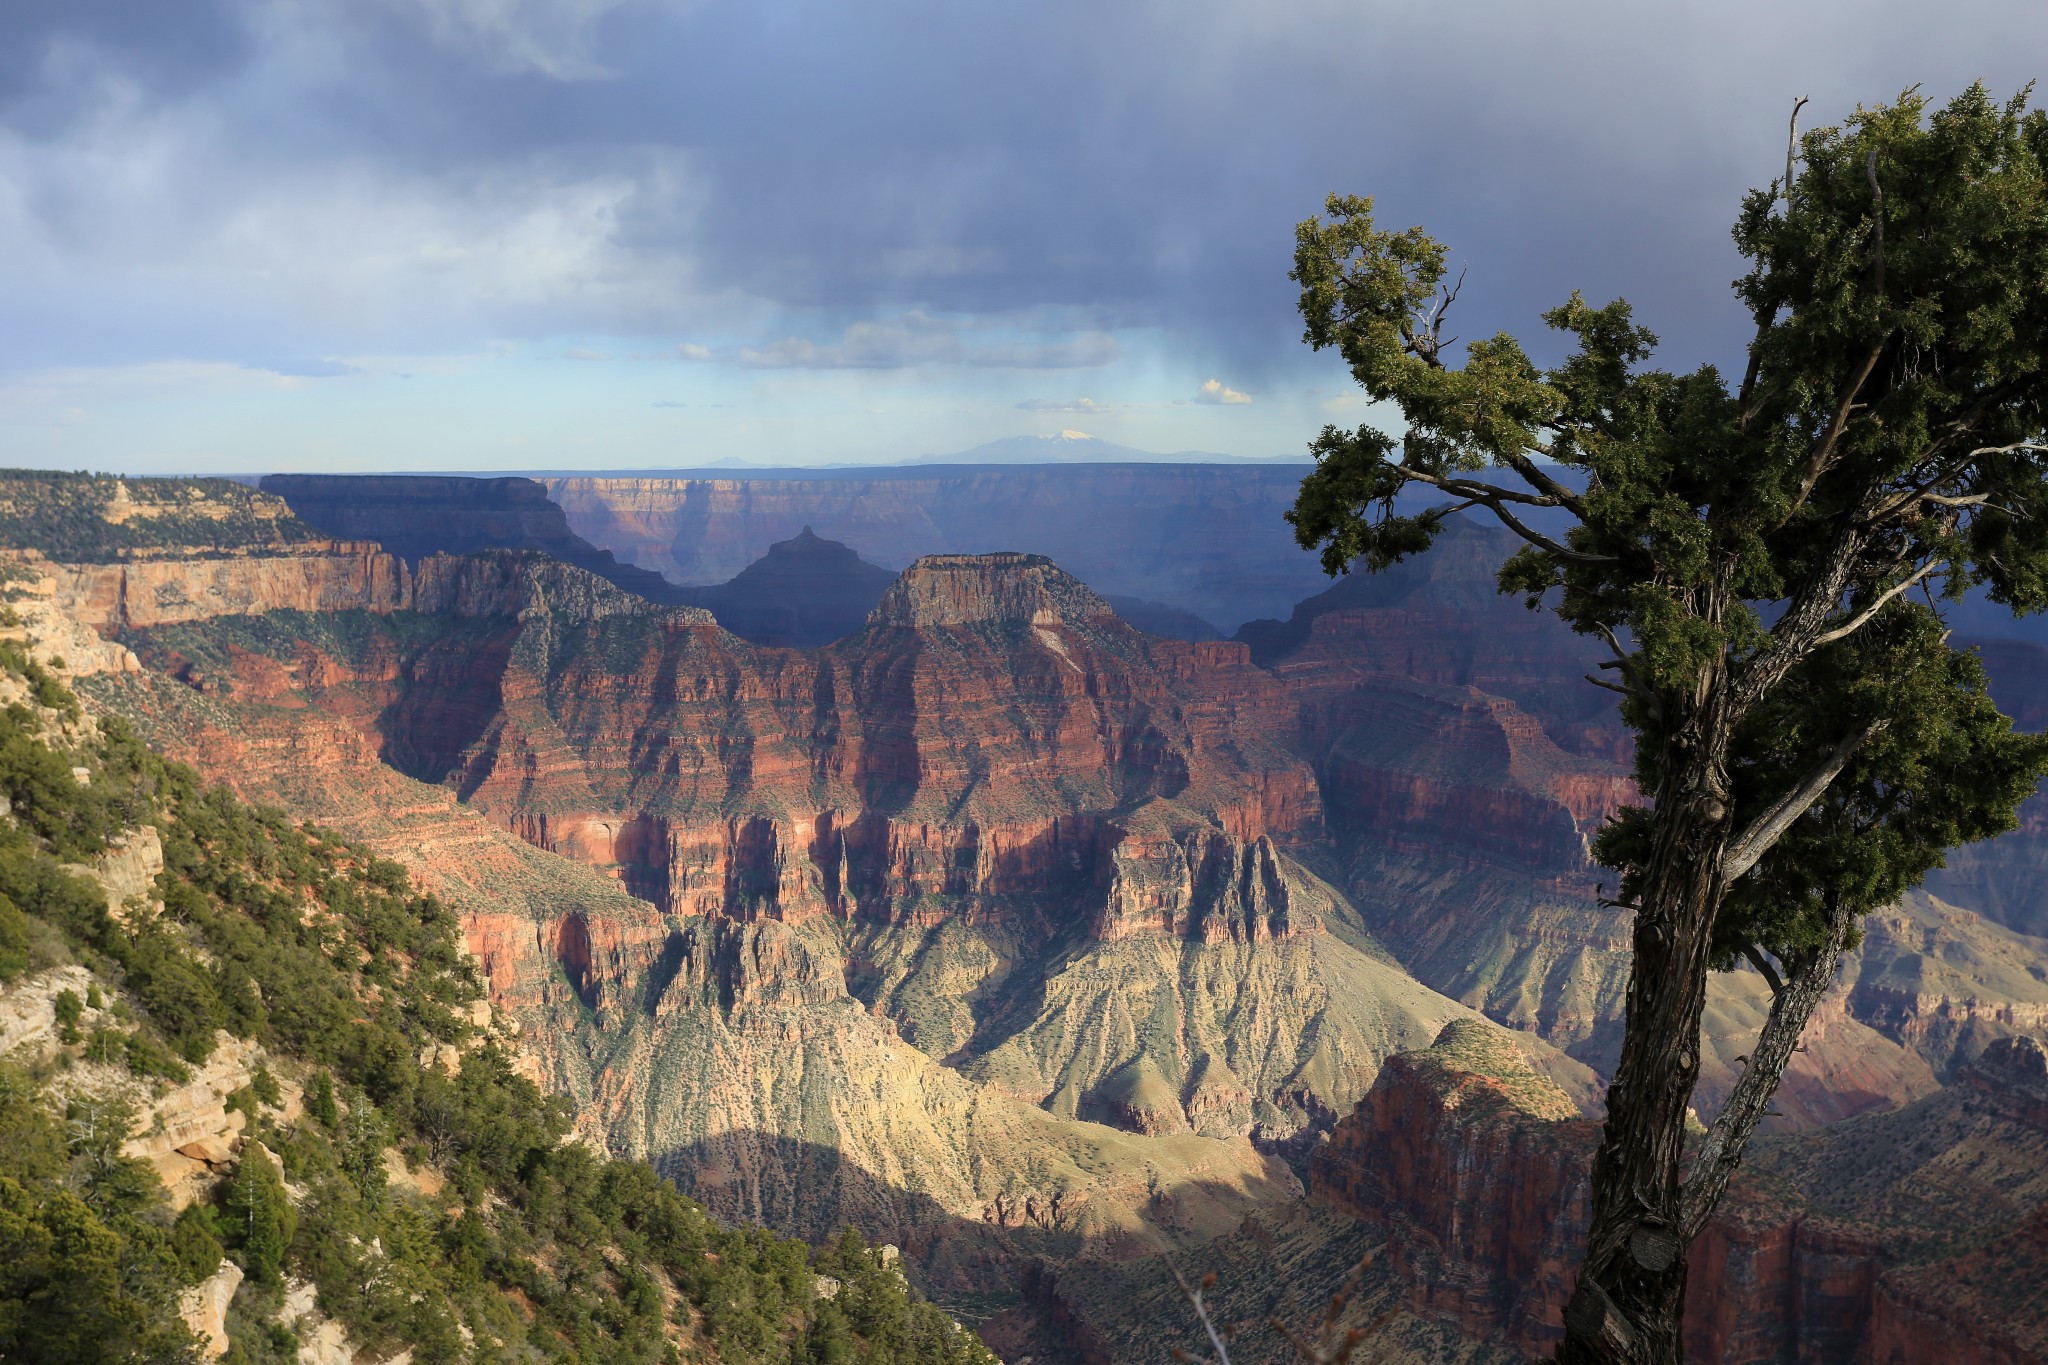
<point x="1040" y="944"/>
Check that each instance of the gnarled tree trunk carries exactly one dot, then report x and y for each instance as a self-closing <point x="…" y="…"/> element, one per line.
<point x="1629" y="1302"/>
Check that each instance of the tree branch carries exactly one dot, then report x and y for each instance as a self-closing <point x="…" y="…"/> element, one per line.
<point x="1924" y="491"/>
<point x="1863" y="617"/>
<point x="1533" y="474"/>
<point x="1824" y="453"/>
<point x="1193" y="1294"/>
<point x="1746" y="849"/>
<point x="1543" y="542"/>
<point x="1721" y="1152"/>
<point x="1763" y="965"/>
<point x="1791" y="146"/>
<point x="1495" y="500"/>
<point x="1746" y="409"/>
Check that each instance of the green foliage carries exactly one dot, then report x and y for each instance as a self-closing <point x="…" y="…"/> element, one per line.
<point x="196" y="1242"/>
<point x="65" y="1274"/>
<point x="149" y="1058"/>
<point x="68" y="1009"/>
<point x="875" y="1306"/>
<point x="320" y="1101"/>
<point x="80" y="518"/>
<point x="14" y="955"/>
<point x="258" y="1219"/>
<point x="1888" y="432"/>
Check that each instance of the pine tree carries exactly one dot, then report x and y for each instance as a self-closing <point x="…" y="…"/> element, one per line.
<point x="1767" y="561"/>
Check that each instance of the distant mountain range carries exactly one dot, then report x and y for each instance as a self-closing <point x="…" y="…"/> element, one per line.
<point x="1065" y="447"/>
<point x="1078" y="447"/>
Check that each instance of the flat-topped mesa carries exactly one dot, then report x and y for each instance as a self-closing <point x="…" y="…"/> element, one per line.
<point x="1004" y="588"/>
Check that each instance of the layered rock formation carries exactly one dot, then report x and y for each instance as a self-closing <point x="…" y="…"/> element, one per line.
<point x="1868" y="1241"/>
<point x="1207" y="539"/>
<point x="417" y="515"/>
<point x="980" y="927"/>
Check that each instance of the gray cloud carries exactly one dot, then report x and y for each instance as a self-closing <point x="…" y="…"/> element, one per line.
<point x="231" y="177"/>
<point x="917" y="338"/>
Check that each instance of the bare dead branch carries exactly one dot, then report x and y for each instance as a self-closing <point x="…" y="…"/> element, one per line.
<point x="1193" y="1294"/>
<point x="1792" y="146"/>
<point x="1482" y="491"/>
<point x="1924" y="490"/>
<point x="1749" y="1102"/>
<point x="1863" y="617"/>
<point x="1331" y="1345"/>
<point x="1764" y="832"/>
<point x="1532" y="474"/>
<point x="1877" y="225"/>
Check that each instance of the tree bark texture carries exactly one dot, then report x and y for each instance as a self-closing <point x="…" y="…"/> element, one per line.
<point x="1629" y="1303"/>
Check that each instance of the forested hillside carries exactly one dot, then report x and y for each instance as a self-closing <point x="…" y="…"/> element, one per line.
<point x="92" y="518"/>
<point x="384" y="1179"/>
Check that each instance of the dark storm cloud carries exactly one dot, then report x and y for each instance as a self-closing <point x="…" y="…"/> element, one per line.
<point x="773" y="175"/>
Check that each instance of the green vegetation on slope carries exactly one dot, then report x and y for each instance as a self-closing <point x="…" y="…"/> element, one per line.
<point x="421" y="1185"/>
<point x="93" y="518"/>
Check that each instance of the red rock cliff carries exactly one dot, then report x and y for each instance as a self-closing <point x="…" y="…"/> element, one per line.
<point x="1475" y="1173"/>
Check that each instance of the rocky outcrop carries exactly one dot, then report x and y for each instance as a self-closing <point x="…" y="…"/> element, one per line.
<point x="1945" y="982"/>
<point x="856" y="867"/>
<point x="1474" y="1168"/>
<point x="982" y="748"/>
<point x="138" y="593"/>
<point x="1476" y="1174"/>
<point x="204" y="1308"/>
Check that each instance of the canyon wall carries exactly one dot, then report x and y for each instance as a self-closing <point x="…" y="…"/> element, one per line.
<point x="140" y="592"/>
<point x="1474" y="1171"/>
<point x="417" y="515"/>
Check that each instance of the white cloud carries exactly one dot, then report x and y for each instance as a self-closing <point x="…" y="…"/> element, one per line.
<point x="690" y="350"/>
<point x="1215" y="391"/>
<point x="1062" y="405"/>
<point x="918" y="338"/>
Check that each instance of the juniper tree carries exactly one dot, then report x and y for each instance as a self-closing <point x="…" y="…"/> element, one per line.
<point x="1767" y="559"/>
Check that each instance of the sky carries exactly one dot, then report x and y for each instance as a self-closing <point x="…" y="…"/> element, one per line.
<point x="253" y="235"/>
